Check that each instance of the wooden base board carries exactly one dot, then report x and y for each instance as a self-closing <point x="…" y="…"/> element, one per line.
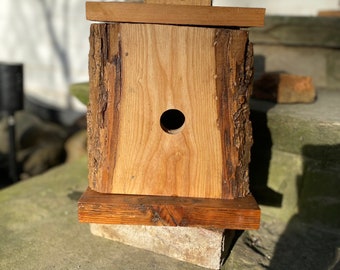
<point x="206" y="248"/>
<point x="236" y="214"/>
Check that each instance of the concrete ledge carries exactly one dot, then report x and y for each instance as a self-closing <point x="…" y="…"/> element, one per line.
<point x="299" y="31"/>
<point x="194" y="245"/>
<point x="39" y="229"/>
<point x="307" y="46"/>
<point x="292" y="126"/>
<point x="296" y="156"/>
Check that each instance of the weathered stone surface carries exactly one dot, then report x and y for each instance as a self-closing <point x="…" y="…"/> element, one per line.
<point x="333" y="66"/>
<point x="39" y="229"/>
<point x="299" y="149"/>
<point x="195" y="245"/>
<point x="282" y="177"/>
<point x="284" y="88"/>
<point x="299" y="31"/>
<point x="319" y="191"/>
<point x="280" y="246"/>
<point x="292" y="126"/>
<point x="306" y="46"/>
<point x="319" y="63"/>
<point x="308" y="186"/>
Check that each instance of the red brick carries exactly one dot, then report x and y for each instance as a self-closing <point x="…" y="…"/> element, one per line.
<point x="284" y="88"/>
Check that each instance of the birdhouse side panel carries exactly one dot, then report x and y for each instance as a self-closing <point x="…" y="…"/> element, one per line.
<point x="103" y="108"/>
<point x="234" y="63"/>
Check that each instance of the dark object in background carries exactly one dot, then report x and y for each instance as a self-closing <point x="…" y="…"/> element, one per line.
<point x="11" y="100"/>
<point x="11" y="87"/>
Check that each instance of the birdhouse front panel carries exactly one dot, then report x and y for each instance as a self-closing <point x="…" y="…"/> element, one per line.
<point x="168" y="112"/>
<point x="168" y="103"/>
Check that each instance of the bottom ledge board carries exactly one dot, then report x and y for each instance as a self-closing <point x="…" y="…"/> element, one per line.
<point x="236" y="214"/>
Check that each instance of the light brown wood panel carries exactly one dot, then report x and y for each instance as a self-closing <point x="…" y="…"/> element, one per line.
<point x="174" y="14"/>
<point x="168" y="67"/>
<point x="239" y="213"/>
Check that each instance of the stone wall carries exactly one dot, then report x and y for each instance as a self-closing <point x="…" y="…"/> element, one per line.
<point x="308" y="46"/>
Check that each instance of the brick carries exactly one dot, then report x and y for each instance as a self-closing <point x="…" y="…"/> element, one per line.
<point x="284" y="88"/>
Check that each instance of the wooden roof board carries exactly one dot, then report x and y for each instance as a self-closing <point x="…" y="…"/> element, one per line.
<point x="174" y="14"/>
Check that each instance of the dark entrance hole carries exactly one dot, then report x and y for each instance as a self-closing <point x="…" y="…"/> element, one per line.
<point x="172" y="121"/>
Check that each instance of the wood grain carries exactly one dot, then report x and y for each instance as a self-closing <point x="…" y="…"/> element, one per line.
<point x="162" y="67"/>
<point x="180" y="2"/>
<point x="234" y="62"/>
<point x="144" y="70"/>
<point x="138" y="172"/>
<point x="105" y="78"/>
<point x="241" y="213"/>
<point x="174" y="14"/>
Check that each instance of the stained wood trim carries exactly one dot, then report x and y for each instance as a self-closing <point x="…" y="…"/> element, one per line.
<point x="240" y="213"/>
<point x="174" y="14"/>
<point x="180" y="2"/>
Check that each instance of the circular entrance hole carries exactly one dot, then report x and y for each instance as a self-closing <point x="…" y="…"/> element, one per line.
<point x="172" y="121"/>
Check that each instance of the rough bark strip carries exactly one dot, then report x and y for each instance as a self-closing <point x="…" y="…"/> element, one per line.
<point x="103" y="109"/>
<point x="234" y="63"/>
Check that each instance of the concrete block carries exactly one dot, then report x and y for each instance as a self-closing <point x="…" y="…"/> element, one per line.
<point x="333" y="66"/>
<point x="309" y="187"/>
<point x="299" y="45"/>
<point x="296" y="154"/>
<point x="319" y="197"/>
<point x="198" y="246"/>
<point x="292" y="126"/>
<point x="299" y="31"/>
<point x="304" y="61"/>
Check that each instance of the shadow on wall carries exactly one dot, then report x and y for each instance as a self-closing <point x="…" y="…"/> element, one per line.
<point x="50" y="53"/>
<point x="312" y="237"/>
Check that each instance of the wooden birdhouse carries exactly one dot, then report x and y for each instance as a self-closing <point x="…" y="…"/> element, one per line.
<point x="169" y="135"/>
